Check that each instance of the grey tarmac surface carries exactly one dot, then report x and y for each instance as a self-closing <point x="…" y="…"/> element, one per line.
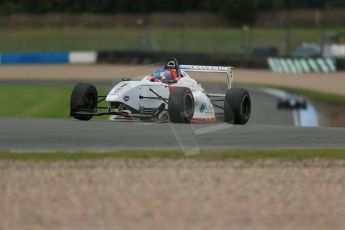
<point x="71" y="135"/>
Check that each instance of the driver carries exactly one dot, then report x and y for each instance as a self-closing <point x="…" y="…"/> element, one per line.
<point x="165" y="75"/>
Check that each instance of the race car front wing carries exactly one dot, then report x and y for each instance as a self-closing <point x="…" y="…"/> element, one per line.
<point x="126" y="114"/>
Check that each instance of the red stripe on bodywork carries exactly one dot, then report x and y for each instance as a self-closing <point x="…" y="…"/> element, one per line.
<point x="210" y="120"/>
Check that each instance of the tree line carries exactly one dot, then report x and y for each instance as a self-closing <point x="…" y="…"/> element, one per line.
<point x="236" y="10"/>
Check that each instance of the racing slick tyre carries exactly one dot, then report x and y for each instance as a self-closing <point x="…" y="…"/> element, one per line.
<point x="181" y="105"/>
<point x="237" y="106"/>
<point x="84" y="98"/>
<point x="229" y="115"/>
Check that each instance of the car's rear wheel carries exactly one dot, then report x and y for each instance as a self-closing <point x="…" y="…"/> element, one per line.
<point x="181" y="105"/>
<point x="229" y="115"/>
<point x="237" y="106"/>
<point x="83" y="99"/>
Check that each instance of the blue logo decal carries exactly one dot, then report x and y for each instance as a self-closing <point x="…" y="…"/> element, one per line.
<point x="126" y="98"/>
<point x="202" y="107"/>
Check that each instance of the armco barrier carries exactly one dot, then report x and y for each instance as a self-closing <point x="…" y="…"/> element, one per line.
<point x="33" y="58"/>
<point x="282" y="65"/>
<point x="301" y="65"/>
<point x="49" y="58"/>
<point x="142" y="57"/>
<point x="134" y="57"/>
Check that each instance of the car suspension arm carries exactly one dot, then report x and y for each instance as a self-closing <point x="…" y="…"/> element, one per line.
<point x="102" y="98"/>
<point x="218" y="106"/>
<point x="215" y="100"/>
<point x="159" y="97"/>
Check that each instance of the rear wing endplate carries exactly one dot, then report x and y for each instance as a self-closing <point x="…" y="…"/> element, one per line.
<point x="210" y="69"/>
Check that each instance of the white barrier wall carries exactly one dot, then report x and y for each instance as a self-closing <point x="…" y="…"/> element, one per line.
<point x="82" y="57"/>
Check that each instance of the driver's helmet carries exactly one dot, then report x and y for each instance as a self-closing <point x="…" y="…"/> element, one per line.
<point x="164" y="74"/>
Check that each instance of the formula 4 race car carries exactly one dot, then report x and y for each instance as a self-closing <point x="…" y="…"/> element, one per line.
<point x="167" y="95"/>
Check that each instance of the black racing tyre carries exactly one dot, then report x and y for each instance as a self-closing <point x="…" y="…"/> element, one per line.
<point x="84" y="98"/>
<point x="229" y="115"/>
<point x="237" y="106"/>
<point x="181" y="105"/>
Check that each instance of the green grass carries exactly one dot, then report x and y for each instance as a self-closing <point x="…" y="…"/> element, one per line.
<point x="69" y="39"/>
<point x="316" y="95"/>
<point x="171" y="39"/>
<point x="311" y="94"/>
<point x="275" y="154"/>
<point x="35" y="101"/>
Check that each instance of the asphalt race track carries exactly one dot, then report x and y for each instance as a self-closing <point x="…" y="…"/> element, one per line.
<point x="59" y="134"/>
<point x="267" y="128"/>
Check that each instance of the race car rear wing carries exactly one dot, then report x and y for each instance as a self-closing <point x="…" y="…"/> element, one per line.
<point x="210" y="69"/>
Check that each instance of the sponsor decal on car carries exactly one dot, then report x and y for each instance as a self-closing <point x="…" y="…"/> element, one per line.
<point x="204" y="68"/>
<point x="126" y="98"/>
<point x="202" y="107"/>
<point x="210" y="68"/>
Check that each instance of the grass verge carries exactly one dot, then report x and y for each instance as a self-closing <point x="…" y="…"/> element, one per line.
<point x="36" y="101"/>
<point x="315" y="95"/>
<point x="198" y="40"/>
<point x="272" y="154"/>
<point x="311" y="94"/>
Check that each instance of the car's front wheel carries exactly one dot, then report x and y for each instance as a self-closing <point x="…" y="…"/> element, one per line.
<point x="181" y="105"/>
<point x="83" y="99"/>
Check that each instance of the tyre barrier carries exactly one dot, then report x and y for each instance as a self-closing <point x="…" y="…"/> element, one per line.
<point x="301" y="65"/>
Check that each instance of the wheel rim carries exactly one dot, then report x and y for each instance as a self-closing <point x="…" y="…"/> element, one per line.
<point x="246" y="107"/>
<point x="188" y="106"/>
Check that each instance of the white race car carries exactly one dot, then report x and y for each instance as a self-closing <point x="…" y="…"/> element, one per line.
<point x="167" y="95"/>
